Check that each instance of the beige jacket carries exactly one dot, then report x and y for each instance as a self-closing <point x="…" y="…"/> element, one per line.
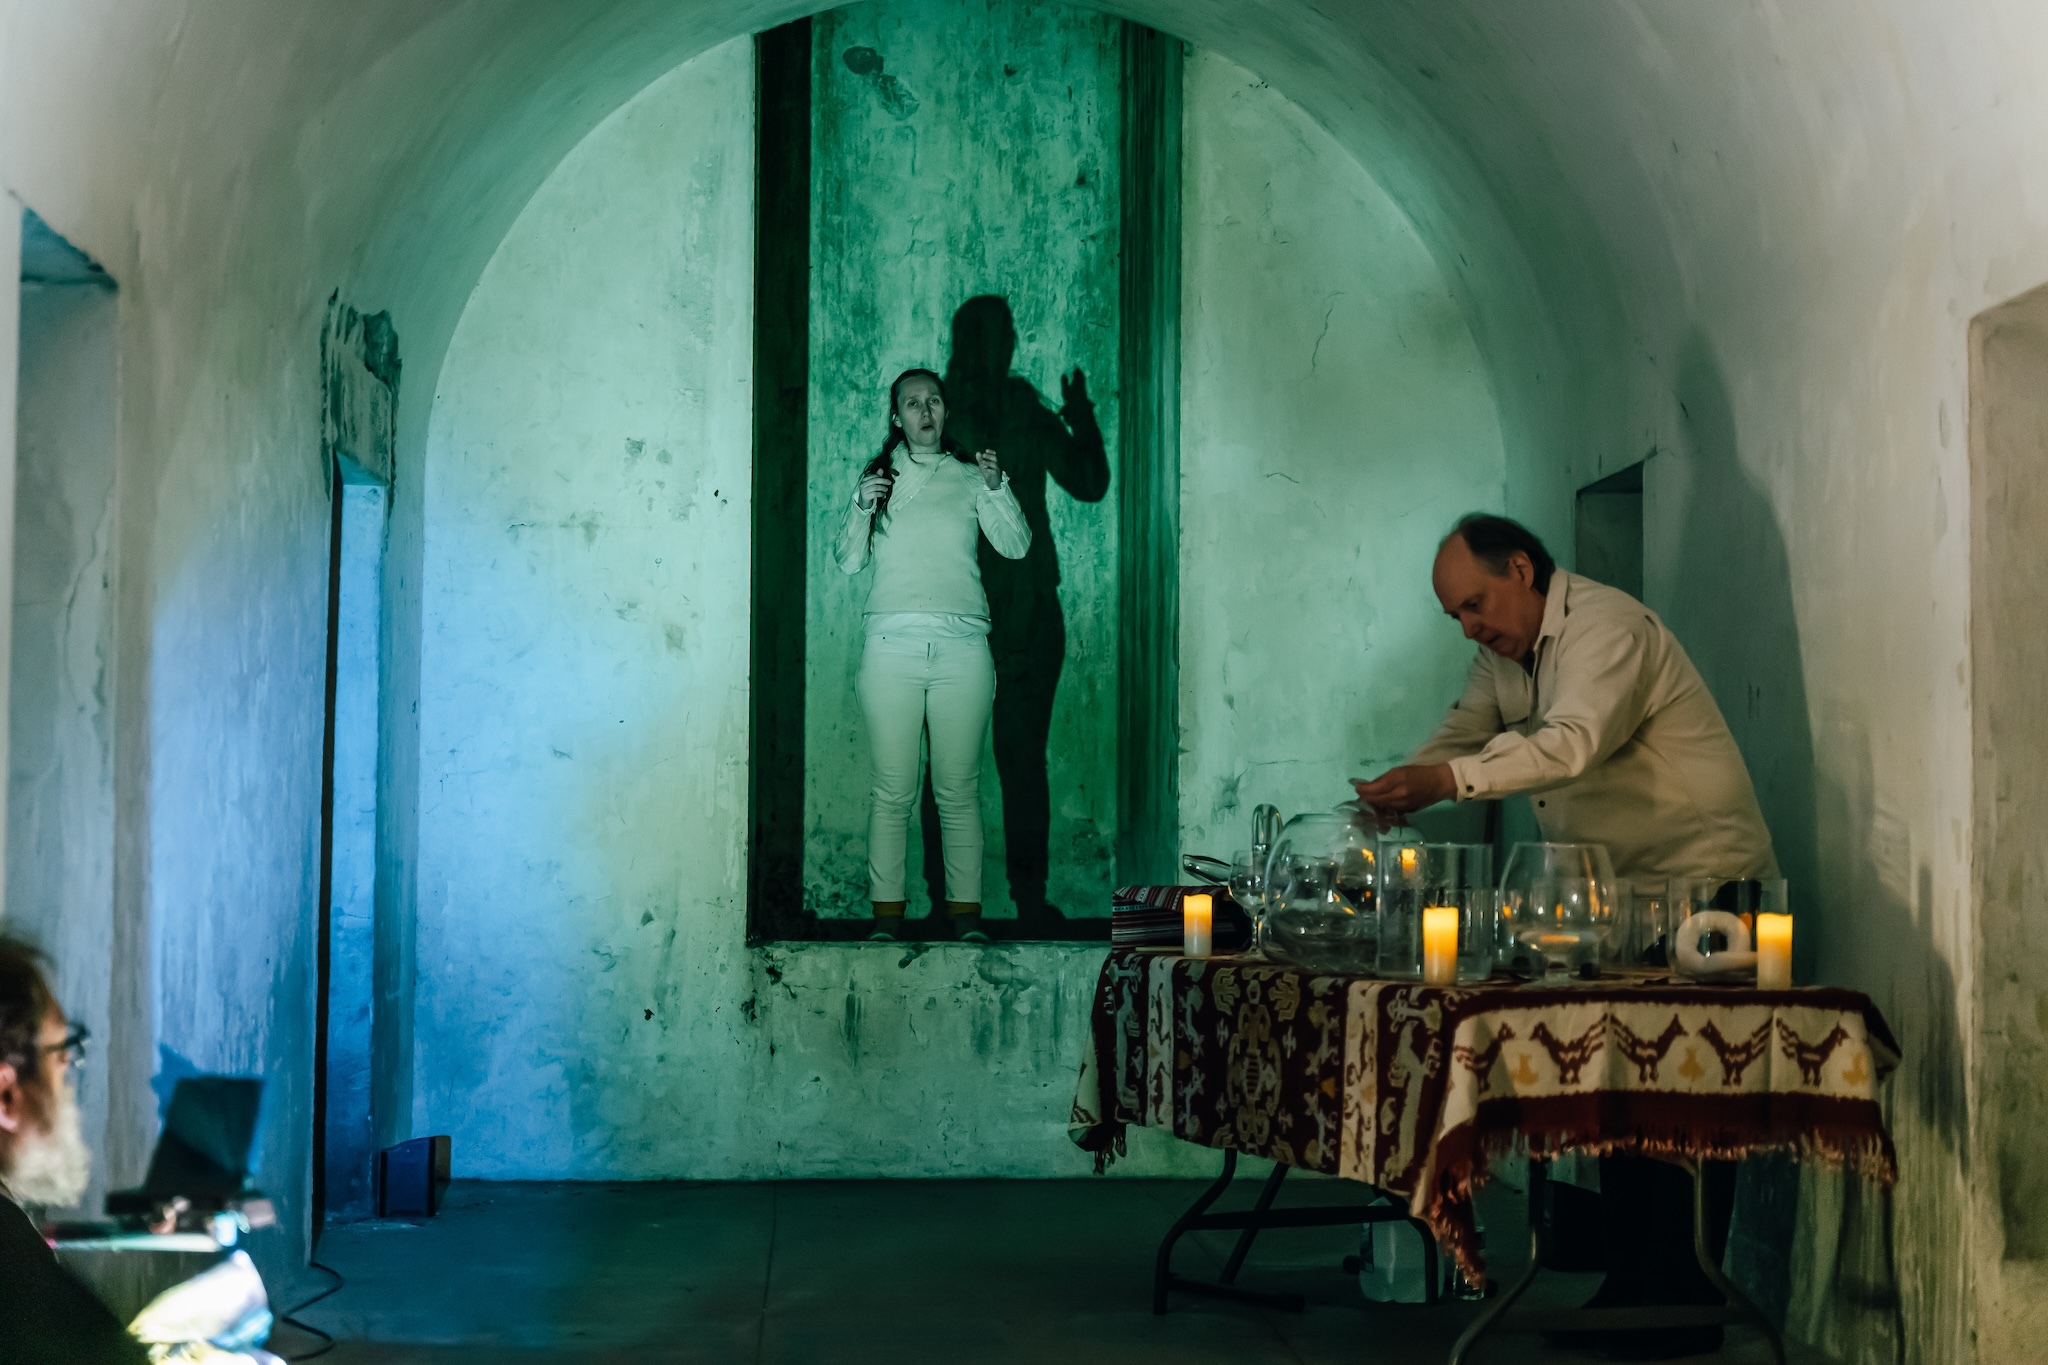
<point x="1616" y="738"/>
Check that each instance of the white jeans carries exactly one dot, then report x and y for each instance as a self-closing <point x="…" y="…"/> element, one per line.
<point x="908" y="685"/>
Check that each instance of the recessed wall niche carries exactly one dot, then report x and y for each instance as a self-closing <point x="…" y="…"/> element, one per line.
<point x="991" y="192"/>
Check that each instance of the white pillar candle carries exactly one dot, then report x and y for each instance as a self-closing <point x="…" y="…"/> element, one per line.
<point x="1774" y="952"/>
<point x="1439" y="944"/>
<point x="1196" y="911"/>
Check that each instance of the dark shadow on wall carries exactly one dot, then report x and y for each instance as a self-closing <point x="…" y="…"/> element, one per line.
<point x="1732" y="609"/>
<point x="989" y="408"/>
<point x="1854" y="1302"/>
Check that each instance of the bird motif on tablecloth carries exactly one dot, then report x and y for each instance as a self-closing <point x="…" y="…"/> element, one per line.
<point x="1483" y="1059"/>
<point x="1736" y="1057"/>
<point x="1647" y="1053"/>
<point x="1812" y="1057"/>
<point x="1571" y="1055"/>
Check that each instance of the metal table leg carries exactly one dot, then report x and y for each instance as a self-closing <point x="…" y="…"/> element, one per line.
<point x="1735" y="1308"/>
<point x="1495" y="1311"/>
<point x="1244" y="1239"/>
<point x="1737" y="1300"/>
<point x="1162" y="1268"/>
<point x="1249" y="1223"/>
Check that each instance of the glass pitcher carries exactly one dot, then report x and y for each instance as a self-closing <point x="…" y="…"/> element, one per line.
<point x="1318" y="895"/>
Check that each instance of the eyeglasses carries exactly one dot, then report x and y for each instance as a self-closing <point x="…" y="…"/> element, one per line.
<point x="72" y="1049"/>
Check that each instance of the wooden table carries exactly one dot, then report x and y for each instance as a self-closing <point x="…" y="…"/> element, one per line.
<point x="1415" y="1089"/>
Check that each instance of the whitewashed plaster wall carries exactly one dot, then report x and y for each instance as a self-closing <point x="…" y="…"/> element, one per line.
<point x="60" y="745"/>
<point x="1335" y="420"/>
<point x="585" y="1004"/>
<point x="584" y="656"/>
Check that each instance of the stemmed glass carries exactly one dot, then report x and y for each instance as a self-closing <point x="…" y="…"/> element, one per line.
<point x="1558" y="905"/>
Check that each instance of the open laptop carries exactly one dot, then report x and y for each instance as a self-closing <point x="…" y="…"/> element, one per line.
<point x="201" y="1158"/>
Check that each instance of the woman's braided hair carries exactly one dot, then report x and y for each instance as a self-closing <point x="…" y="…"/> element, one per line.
<point x="897" y="436"/>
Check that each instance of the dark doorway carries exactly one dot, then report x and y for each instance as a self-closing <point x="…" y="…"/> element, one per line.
<point x="360" y="362"/>
<point x="1609" y="531"/>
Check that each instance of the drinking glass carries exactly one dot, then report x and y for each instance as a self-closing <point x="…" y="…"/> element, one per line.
<point x="1646" y="921"/>
<point x="1414" y="875"/>
<point x="1558" y="909"/>
<point x="1746" y="897"/>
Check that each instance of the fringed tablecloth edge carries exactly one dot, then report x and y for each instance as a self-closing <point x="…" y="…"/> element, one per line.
<point x="1103" y="1133"/>
<point x="1859" y="1148"/>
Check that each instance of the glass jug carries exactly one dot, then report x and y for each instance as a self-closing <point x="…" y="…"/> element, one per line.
<point x="1318" y="895"/>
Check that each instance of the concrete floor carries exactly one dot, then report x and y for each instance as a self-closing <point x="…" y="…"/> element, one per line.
<point x="969" y="1270"/>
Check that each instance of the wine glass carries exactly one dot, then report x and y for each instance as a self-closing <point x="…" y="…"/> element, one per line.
<point x="1558" y="907"/>
<point x="1247" y="886"/>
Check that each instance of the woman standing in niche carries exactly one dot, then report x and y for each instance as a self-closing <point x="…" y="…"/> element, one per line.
<point x="918" y="512"/>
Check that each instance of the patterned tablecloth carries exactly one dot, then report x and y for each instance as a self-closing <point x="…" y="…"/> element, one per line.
<point x="1415" y="1088"/>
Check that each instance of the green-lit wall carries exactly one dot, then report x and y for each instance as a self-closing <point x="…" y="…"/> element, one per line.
<point x="962" y="152"/>
<point x="586" y="1003"/>
<point x="1335" y="419"/>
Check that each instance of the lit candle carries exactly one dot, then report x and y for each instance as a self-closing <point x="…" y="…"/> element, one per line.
<point x="1407" y="862"/>
<point x="1439" y="944"/>
<point x="1774" y="952"/>
<point x="1195" y="921"/>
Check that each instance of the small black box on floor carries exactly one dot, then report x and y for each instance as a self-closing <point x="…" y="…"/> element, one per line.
<point x="411" y="1176"/>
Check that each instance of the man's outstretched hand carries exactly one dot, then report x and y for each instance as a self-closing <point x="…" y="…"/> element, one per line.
<point x="1407" y="788"/>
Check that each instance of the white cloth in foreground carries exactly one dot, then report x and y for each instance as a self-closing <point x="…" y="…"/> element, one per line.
<point x="216" y="1318"/>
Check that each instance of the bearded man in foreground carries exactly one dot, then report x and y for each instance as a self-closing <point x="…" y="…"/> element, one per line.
<point x="46" y="1316"/>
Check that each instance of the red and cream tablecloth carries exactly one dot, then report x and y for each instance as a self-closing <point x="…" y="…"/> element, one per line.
<point x="1415" y="1089"/>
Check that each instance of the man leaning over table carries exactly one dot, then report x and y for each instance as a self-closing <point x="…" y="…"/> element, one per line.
<point x="1582" y="699"/>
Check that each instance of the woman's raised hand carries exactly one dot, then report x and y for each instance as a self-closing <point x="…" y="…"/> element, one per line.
<point x="873" y="489"/>
<point x="991" y="468"/>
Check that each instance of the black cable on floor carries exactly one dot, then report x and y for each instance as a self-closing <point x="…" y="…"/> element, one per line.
<point x="294" y="1323"/>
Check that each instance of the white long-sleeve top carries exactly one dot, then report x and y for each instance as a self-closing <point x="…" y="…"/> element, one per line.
<point x="1617" y="738"/>
<point x="924" y="543"/>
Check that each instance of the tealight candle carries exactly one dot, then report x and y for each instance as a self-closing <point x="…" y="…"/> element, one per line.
<point x="1774" y="952"/>
<point x="1196" y="920"/>
<point x="1439" y="944"/>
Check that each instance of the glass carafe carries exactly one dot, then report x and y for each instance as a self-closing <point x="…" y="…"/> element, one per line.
<point x="1318" y="894"/>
